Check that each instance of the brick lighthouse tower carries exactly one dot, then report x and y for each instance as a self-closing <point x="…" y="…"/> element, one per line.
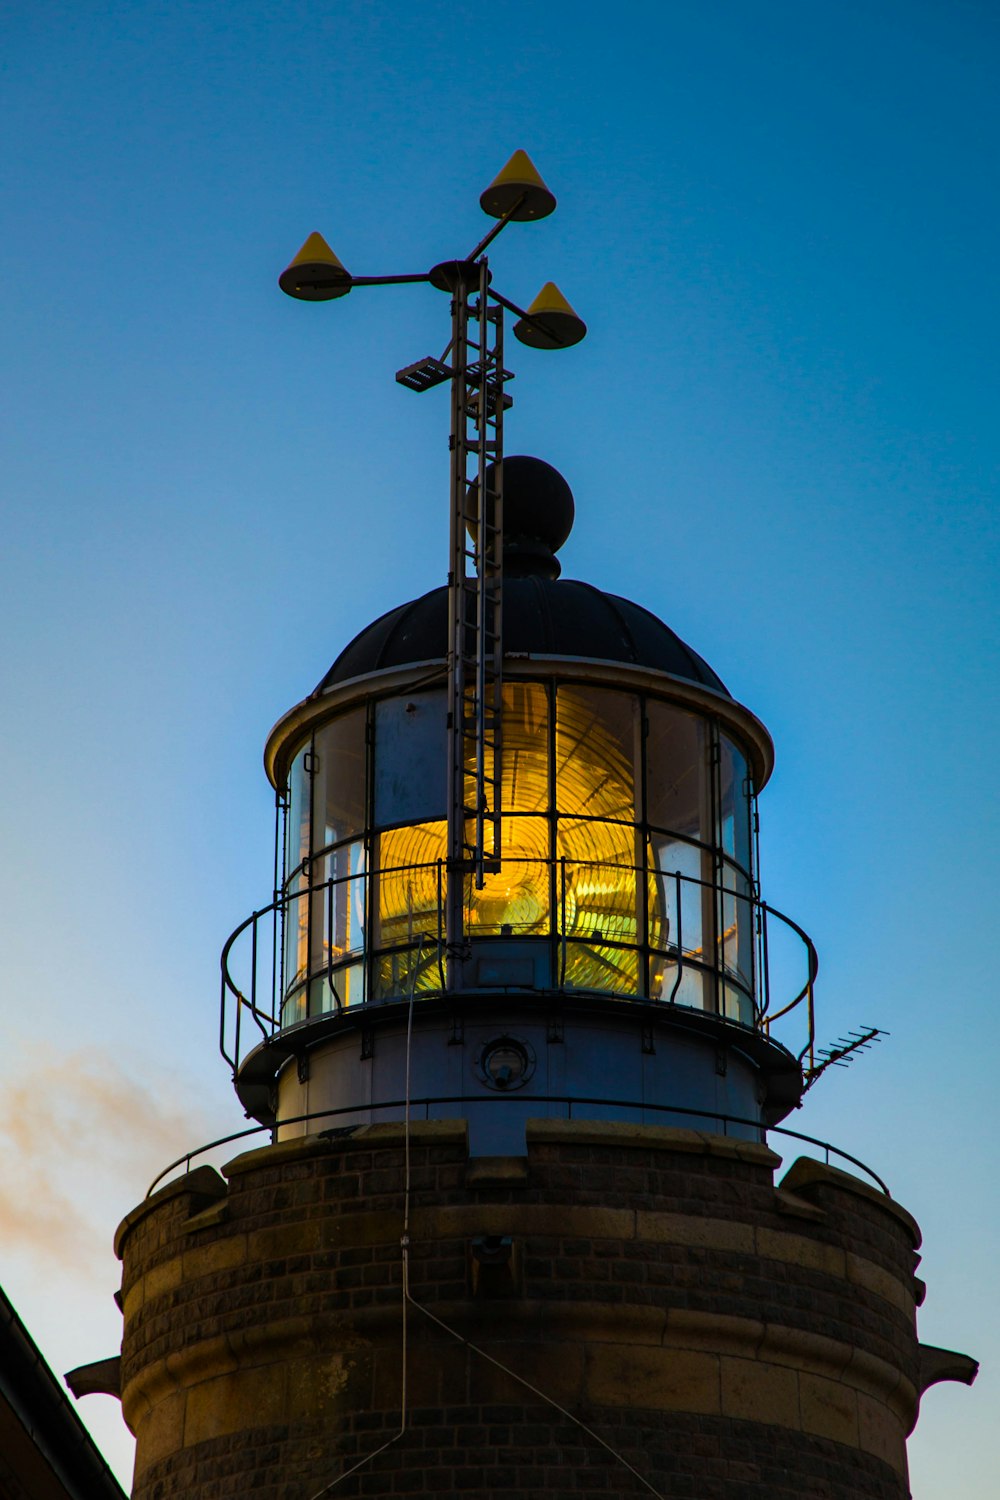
<point x="516" y="1032"/>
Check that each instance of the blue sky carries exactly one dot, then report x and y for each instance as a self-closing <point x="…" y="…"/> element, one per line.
<point x="780" y="222"/>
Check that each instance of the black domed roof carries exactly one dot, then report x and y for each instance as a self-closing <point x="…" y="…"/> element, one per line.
<point x="543" y="615"/>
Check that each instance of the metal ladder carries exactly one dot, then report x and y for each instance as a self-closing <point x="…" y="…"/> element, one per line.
<point x="475" y="599"/>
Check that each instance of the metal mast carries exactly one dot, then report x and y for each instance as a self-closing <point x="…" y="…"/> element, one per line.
<point x="475" y="596"/>
<point x="475" y="560"/>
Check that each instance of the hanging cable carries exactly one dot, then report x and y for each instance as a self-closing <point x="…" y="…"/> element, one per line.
<point x="453" y="1332"/>
<point x="549" y="1400"/>
<point x="404" y="1245"/>
<point x="410" y="1301"/>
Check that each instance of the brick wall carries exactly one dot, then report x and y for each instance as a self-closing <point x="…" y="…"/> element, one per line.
<point x="729" y="1338"/>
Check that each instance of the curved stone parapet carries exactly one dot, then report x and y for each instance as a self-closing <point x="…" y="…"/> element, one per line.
<point x="642" y="1288"/>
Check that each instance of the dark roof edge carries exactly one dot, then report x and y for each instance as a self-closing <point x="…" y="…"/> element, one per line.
<point x="44" y="1409"/>
<point x="376" y="646"/>
<point x="698" y="662"/>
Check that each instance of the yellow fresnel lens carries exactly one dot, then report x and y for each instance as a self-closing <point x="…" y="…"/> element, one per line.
<point x="571" y="875"/>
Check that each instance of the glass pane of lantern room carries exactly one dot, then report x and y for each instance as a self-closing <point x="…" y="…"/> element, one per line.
<point x="679" y="899"/>
<point x="735" y="927"/>
<point x="297" y="821"/>
<point x="514" y="900"/>
<point x="597" y="908"/>
<point x="340" y="905"/>
<point x="338" y="790"/>
<point x="296" y="954"/>
<point x="596" y="753"/>
<point x="525" y="756"/>
<point x="734" y="802"/>
<point x="597" y="877"/>
<point x="601" y="967"/>
<point x="411" y="759"/>
<point x="410" y="873"/>
<point x="676" y="772"/>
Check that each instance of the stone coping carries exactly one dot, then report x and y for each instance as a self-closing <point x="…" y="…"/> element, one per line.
<point x="806" y="1174"/>
<point x="623" y="1136"/>
<point x="392" y="1133"/>
<point x="205" y="1182"/>
<point x="799" y="1182"/>
<point x="619" y="1135"/>
<point x="202" y="1182"/>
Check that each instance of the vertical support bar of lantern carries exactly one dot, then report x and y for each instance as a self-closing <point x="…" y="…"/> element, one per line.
<point x="711" y="889"/>
<point x="280" y="907"/>
<point x="457" y="628"/>
<point x="279" y="863"/>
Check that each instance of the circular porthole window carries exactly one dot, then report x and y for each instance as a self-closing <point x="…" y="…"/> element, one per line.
<point x="505" y="1063"/>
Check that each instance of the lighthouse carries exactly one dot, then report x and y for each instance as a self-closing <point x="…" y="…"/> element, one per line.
<point x="526" y="1215"/>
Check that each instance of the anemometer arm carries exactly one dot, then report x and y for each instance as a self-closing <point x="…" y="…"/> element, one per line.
<point x="502" y="223"/>
<point x="388" y="280"/>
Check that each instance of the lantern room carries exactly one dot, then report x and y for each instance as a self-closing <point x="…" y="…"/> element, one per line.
<point x="625" y="901"/>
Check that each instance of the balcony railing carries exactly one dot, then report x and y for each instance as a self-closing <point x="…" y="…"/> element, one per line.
<point x="427" y="1109"/>
<point x="740" y="957"/>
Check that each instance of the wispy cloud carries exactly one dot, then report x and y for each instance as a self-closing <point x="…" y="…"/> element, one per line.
<point x="81" y="1138"/>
